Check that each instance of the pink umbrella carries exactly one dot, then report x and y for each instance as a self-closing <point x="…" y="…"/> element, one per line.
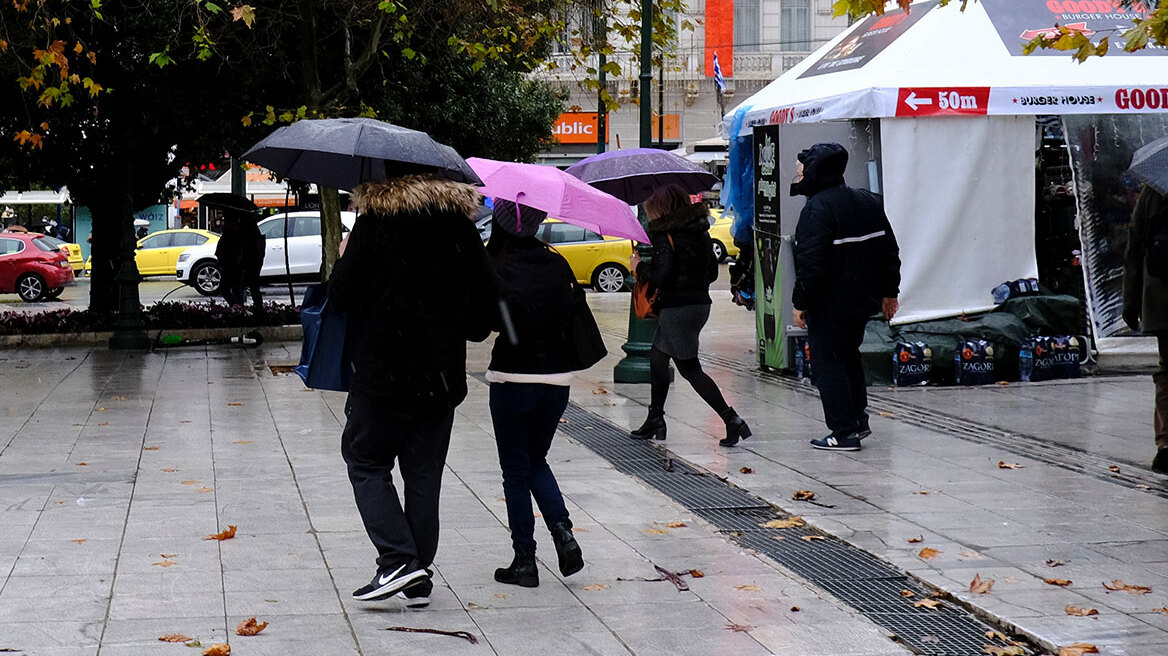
<point x="562" y="196"/>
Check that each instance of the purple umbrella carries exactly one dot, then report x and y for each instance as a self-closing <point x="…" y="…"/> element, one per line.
<point x="562" y="196"/>
<point x="633" y="175"/>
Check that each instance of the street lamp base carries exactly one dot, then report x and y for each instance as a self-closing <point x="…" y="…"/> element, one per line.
<point x="129" y="340"/>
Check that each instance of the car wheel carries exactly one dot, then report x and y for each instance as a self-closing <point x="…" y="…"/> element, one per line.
<point x="719" y="251"/>
<point x="205" y="278"/>
<point x="610" y="278"/>
<point x="31" y="287"/>
<point x="54" y="294"/>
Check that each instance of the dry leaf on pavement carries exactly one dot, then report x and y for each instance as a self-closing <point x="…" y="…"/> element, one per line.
<point x="697" y="573"/>
<point x="803" y="495"/>
<point x="242" y="442"/>
<point x="175" y="637"/>
<point x="970" y="553"/>
<point x="221" y="649"/>
<point x="235" y="404"/>
<point x="994" y="650"/>
<point x="907" y="594"/>
<point x="595" y="586"/>
<point x="165" y="563"/>
<point x="979" y="585"/>
<point x="1078" y="649"/>
<point x="919" y="538"/>
<point x="205" y="489"/>
<point x="1114" y="468"/>
<point x="1002" y="464"/>
<point x="1055" y="563"/>
<point x="795" y="609"/>
<point x="739" y="628"/>
<point x="170" y="470"/>
<point x="250" y="627"/>
<point x="927" y="553"/>
<point x="747" y="588"/>
<point x="169" y="555"/>
<point x="809" y="538"/>
<point x="927" y="603"/>
<point x="190" y="482"/>
<point x="149" y="448"/>
<point x="1119" y="586"/>
<point x="793" y="522"/>
<point x="677" y="525"/>
<point x="222" y="535"/>
<point x="83" y="464"/>
<point x="994" y="635"/>
<point x="925" y="493"/>
<point x="656" y="531"/>
<point x="79" y="541"/>
<point x="600" y="390"/>
<point x="746" y="470"/>
<point x="500" y="595"/>
<point x="1059" y="582"/>
<point x="1080" y="612"/>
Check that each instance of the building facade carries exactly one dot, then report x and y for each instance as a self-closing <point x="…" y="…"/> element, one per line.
<point x="755" y="41"/>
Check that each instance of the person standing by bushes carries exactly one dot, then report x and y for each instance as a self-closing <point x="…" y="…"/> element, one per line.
<point x="529" y="386"/>
<point x="681" y="271"/>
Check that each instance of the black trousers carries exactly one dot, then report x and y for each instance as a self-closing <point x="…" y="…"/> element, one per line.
<point x="837" y="372"/>
<point x="373" y="439"/>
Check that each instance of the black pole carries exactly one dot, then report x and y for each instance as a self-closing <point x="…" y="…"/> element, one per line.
<point x="601" y="107"/>
<point x="646" y="73"/>
<point x="661" y="102"/>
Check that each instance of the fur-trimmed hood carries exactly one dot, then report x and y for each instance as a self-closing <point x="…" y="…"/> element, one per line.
<point x="416" y="194"/>
<point x="695" y="216"/>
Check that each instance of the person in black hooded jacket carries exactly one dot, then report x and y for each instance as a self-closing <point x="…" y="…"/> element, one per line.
<point x="847" y="268"/>
<point x="410" y="312"/>
<point x="681" y="271"/>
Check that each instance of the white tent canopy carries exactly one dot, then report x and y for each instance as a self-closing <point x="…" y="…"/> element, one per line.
<point x="943" y="61"/>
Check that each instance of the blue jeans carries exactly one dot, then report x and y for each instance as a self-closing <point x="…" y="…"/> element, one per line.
<point x="526" y="417"/>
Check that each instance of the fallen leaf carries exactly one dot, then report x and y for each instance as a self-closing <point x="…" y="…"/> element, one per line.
<point x="656" y="531"/>
<point x="1114" y="468"/>
<point x="118" y="397"/>
<point x="809" y="538"/>
<point x="223" y="535"/>
<point x="242" y="442"/>
<point x="919" y="538"/>
<point x="803" y="495"/>
<point x="151" y="448"/>
<point x="190" y="482"/>
<point x="1078" y="649"/>
<point x="739" y="628"/>
<point x="235" y="404"/>
<point x="1119" y="586"/>
<point x="746" y="470"/>
<point x="884" y="414"/>
<point x="1054" y="563"/>
<point x="205" y="489"/>
<point x="175" y="637"/>
<point x="927" y="553"/>
<point x="221" y="649"/>
<point x="101" y="409"/>
<point x="1161" y="609"/>
<point x="1003" y="383"/>
<point x="747" y="588"/>
<point x="979" y="585"/>
<point x="595" y="586"/>
<point x="185" y="421"/>
<point x="676" y="524"/>
<point x="165" y="563"/>
<point x="250" y="627"/>
<point x="473" y="606"/>
<point x="1144" y="487"/>
<point x="793" y="522"/>
<point x="1062" y="583"/>
<point x="1002" y="464"/>
<point x="697" y="573"/>
<point x="169" y="555"/>
<point x="79" y="541"/>
<point x="104" y="423"/>
<point x="994" y="635"/>
<point x="1012" y="650"/>
<point x="577" y="529"/>
<point x="927" y="603"/>
<point x="500" y="595"/>
<point x="1080" y="612"/>
<point x="969" y="553"/>
<point x="907" y="594"/>
<point x="83" y="464"/>
<point x="795" y="609"/>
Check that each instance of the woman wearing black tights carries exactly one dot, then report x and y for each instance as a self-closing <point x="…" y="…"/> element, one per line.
<point x="681" y="271"/>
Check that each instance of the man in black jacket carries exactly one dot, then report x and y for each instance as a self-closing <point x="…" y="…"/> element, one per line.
<point x="847" y="268"/>
<point x="415" y="283"/>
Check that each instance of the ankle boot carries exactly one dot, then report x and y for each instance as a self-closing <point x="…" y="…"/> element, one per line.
<point x="736" y="428"/>
<point x="654" y="426"/>
<point x="522" y="572"/>
<point x="568" y="550"/>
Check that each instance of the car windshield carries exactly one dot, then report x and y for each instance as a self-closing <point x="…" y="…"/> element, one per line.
<point x="44" y="245"/>
<point x="53" y="241"/>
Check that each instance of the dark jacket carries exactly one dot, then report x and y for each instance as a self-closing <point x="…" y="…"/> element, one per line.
<point x="681" y="271"/>
<point x="1145" y="297"/>
<point x="846" y="256"/>
<point x="232" y="247"/>
<point x="416" y="283"/>
<point x="539" y="287"/>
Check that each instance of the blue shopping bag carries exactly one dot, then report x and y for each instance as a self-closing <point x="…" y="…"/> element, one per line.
<point x="324" y="356"/>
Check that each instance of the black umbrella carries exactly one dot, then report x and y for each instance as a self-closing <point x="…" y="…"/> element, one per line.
<point x="1150" y="165"/>
<point x="633" y="175"/>
<point x="344" y="152"/>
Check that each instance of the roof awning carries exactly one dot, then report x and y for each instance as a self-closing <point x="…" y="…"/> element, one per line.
<point x="35" y="197"/>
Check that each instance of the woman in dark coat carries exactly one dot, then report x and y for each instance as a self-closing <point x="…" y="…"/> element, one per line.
<point x="681" y="271"/>
<point x="529" y="386"/>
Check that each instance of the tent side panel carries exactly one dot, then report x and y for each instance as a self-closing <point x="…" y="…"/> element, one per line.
<point x="960" y="195"/>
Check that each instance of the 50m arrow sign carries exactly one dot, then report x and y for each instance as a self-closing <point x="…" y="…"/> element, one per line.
<point x="934" y="101"/>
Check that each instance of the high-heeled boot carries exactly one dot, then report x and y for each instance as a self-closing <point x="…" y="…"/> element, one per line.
<point x="570" y="556"/>
<point x="736" y="428"/>
<point x="522" y="572"/>
<point x="654" y="426"/>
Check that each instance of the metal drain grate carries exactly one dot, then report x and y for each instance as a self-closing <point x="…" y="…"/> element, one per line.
<point x="857" y="578"/>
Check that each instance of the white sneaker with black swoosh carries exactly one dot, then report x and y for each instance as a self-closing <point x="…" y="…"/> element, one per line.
<point x="388" y="582"/>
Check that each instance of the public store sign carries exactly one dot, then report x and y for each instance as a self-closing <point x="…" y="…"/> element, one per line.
<point x="577" y="128"/>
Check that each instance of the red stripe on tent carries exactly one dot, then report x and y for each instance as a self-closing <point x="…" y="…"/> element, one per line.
<point x="943" y="101"/>
<point x="720" y="36"/>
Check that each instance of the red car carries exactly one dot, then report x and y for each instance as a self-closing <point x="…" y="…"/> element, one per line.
<point x="31" y="267"/>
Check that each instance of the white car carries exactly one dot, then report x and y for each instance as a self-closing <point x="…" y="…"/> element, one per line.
<point x="198" y="268"/>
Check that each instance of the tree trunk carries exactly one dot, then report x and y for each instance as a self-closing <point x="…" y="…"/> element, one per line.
<point x="105" y="247"/>
<point x="330" y="230"/>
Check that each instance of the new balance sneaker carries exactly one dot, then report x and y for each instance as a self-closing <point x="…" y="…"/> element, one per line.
<point x="833" y="443"/>
<point x="417" y="595"/>
<point x="389" y="582"/>
<point x="863" y="432"/>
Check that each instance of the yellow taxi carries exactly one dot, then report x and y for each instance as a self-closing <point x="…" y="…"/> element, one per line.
<point x="73" y="251"/>
<point x="602" y="262"/>
<point x="158" y="252"/>
<point x="720" y="234"/>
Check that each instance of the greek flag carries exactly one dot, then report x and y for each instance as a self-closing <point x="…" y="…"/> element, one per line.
<point x="719" y="81"/>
